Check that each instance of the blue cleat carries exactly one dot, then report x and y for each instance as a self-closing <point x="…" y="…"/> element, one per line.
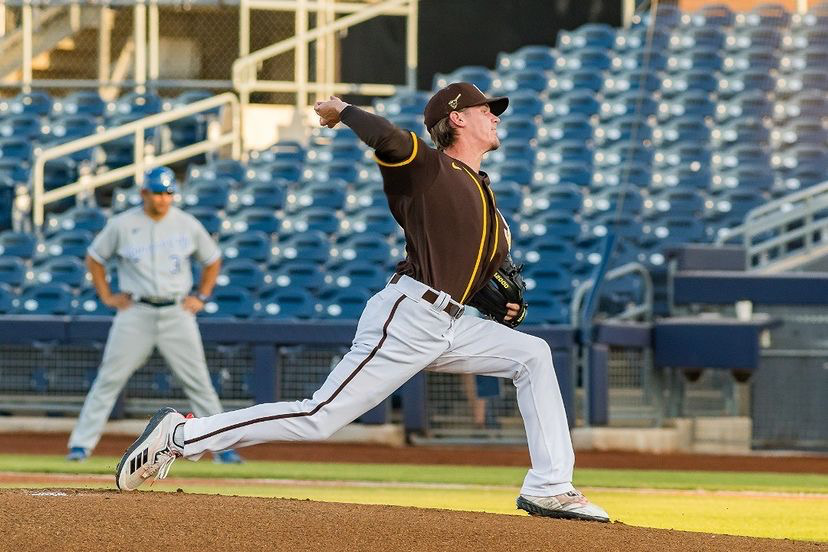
<point x="228" y="457"/>
<point x="77" y="454"/>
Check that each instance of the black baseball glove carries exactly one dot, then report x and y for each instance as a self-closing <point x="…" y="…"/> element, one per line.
<point x="506" y="286"/>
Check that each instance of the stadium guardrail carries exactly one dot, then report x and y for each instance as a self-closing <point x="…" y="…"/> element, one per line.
<point x="41" y="197"/>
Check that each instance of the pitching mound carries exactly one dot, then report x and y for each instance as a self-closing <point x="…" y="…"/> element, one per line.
<point x="68" y="519"/>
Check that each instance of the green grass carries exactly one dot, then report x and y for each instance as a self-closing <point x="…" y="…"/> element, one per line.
<point x="472" y="475"/>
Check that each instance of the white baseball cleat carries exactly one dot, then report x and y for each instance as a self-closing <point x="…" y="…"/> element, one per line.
<point x="152" y="454"/>
<point x="571" y="505"/>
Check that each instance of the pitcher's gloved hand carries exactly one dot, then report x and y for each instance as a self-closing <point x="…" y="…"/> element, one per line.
<point x="506" y="286"/>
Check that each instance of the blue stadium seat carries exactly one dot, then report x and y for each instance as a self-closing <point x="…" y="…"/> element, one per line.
<point x="328" y="194"/>
<point x="17" y="244"/>
<point x="26" y="125"/>
<point x="585" y="79"/>
<point x="308" y="246"/>
<point x="683" y="154"/>
<point x="563" y="152"/>
<point x="800" y="156"/>
<point x="62" y="270"/>
<point x="621" y="200"/>
<point x="753" y="60"/>
<point x="313" y="219"/>
<point x="479" y="76"/>
<point x="750" y="130"/>
<point x="52" y="298"/>
<point x="535" y="80"/>
<point x="730" y="206"/>
<point x="345" y="304"/>
<point x="549" y="250"/>
<point x="252" y="218"/>
<point x="624" y="153"/>
<point x="692" y="104"/>
<point x="713" y="15"/>
<point x="241" y="272"/>
<point x="14" y="171"/>
<point x="512" y="150"/>
<point x="16" y="149"/>
<point x="623" y="129"/>
<point x="365" y="197"/>
<point x="373" y="220"/>
<point x="566" y="173"/>
<point x="632" y="103"/>
<point x="135" y="103"/>
<point x="516" y="171"/>
<point x="283" y="150"/>
<point x="638" y="175"/>
<point x="336" y="151"/>
<point x="120" y="151"/>
<point x="527" y="57"/>
<point x="509" y="196"/>
<point x="220" y="169"/>
<point x="808" y="79"/>
<point x="206" y="193"/>
<point x="546" y="308"/>
<point x="271" y="195"/>
<point x="674" y="202"/>
<point x="405" y="102"/>
<point x="649" y="59"/>
<point x="631" y="80"/>
<point x="12" y="271"/>
<point x="35" y="102"/>
<point x="72" y="127"/>
<point x="756" y="177"/>
<point x="364" y="247"/>
<point x="765" y="15"/>
<point x="695" y="79"/>
<point x="805" y="38"/>
<point x="285" y="303"/>
<point x="591" y="35"/>
<point x="361" y="275"/>
<point x="207" y="216"/>
<point x="704" y="59"/>
<point x="702" y="37"/>
<point x="284" y="170"/>
<point x="577" y="102"/>
<point x="89" y="304"/>
<point x="229" y="302"/>
<point x="550" y="279"/>
<point x="745" y="38"/>
<point x="73" y="243"/>
<point x="685" y="129"/>
<point x="629" y="229"/>
<point x="556" y="197"/>
<point x="801" y="178"/>
<point x="802" y="132"/>
<point x="665" y="16"/>
<point x="570" y="127"/>
<point x="594" y="59"/>
<point x="754" y="104"/>
<point x="639" y="37"/>
<point x="741" y="154"/>
<point x="82" y="102"/>
<point x="751" y="80"/>
<point x="517" y="128"/>
<point x="810" y="104"/>
<point x="253" y="245"/>
<point x="690" y="176"/>
<point x="556" y="223"/>
<point x="296" y="273"/>
<point x="523" y="103"/>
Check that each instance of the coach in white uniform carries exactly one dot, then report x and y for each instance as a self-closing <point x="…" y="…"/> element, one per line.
<point x="152" y="245"/>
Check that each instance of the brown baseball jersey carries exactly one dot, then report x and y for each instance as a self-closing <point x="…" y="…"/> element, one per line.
<point x="455" y="236"/>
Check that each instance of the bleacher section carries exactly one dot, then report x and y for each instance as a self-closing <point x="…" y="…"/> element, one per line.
<point x="664" y="134"/>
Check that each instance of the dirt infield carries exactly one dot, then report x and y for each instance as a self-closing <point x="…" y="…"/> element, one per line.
<point x="55" y="443"/>
<point x="64" y="519"/>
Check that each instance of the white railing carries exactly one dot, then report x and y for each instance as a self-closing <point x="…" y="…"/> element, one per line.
<point x="141" y="162"/>
<point x="784" y="233"/>
<point x="245" y="69"/>
<point x="643" y="310"/>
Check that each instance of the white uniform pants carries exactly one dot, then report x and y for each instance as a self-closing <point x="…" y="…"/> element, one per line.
<point x="399" y="334"/>
<point x="135" y="332"/>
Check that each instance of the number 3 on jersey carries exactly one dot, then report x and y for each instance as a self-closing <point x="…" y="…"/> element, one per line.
<point x="175" y="264"/>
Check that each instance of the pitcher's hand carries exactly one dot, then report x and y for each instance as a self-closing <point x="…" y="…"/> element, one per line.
<point x="329" y="111"/>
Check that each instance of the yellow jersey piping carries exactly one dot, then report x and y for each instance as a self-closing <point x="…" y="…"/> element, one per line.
<point x="482" y="238"/>
<point x="401" y="163"/>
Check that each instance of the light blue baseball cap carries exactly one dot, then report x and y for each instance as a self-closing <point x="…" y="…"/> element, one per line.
<point x="160" y="180"/>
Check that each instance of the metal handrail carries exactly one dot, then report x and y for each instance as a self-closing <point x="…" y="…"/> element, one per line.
<point x="772" y="224"/>
<point x="245" y="68"/>
<point x="645" y="309"/>
<point x="40" y="197"/>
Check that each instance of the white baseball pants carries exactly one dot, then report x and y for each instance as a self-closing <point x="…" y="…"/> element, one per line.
<point x="135" y="332"/>
<point x="399" y="334"/>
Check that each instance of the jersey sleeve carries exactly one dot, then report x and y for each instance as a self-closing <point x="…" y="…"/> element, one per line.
<point x="105" y="243"/>
<point x="413" y="174"/>
<point x="206" y="251"/>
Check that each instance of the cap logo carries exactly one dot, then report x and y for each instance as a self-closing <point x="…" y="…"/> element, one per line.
<point x="453" y="103"/>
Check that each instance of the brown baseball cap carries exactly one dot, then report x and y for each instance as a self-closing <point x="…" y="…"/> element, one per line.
<point x="457" y="96"/>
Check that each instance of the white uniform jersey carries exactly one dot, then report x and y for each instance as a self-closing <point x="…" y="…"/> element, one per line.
<point x="153" y="257"/>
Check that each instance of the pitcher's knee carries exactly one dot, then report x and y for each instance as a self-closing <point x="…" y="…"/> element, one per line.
<point x="537" y="351"/>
